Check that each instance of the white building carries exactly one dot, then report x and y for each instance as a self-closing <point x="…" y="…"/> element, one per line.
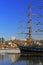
<point x="13" y="38"/>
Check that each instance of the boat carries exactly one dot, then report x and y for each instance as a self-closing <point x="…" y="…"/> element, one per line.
<point x="34" y="47"/>
<point x="30" y="49"/>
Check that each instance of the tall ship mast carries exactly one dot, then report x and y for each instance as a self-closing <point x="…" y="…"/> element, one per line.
<point x="34" y="47"/>
<point x="30" y="27"/>
<point x="30" y="22"/>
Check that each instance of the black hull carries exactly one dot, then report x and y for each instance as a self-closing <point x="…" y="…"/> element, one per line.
<point x="30" y="50"/>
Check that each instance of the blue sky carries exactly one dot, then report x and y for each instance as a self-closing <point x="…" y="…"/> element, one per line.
<point x="11" y="13"/>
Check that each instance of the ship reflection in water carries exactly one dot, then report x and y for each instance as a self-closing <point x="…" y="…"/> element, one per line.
<point x="19" y="59"/>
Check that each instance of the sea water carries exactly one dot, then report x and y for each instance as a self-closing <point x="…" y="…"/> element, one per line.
<point x="20" y="59"/>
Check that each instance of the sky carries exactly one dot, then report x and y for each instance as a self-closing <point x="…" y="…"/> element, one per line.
<point x="11" y="16"/>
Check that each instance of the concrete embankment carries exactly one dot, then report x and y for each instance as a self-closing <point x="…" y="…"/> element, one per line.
<point x="9" y="51"/>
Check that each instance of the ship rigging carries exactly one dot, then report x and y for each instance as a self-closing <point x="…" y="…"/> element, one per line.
<point x="29" y="33"/>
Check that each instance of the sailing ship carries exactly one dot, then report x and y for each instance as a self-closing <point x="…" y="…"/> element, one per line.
<point x="31" y="45"/>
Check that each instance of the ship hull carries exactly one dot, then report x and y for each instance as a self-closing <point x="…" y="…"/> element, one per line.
<point x="30" y="50"/>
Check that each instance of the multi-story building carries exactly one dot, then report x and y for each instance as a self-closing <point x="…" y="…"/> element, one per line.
<point x="2" y="40"/>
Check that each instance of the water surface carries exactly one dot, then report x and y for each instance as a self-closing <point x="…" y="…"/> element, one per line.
<point x="20" y="59"/>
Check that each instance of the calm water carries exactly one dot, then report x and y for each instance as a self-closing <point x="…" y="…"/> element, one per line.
<point x="19" y="59"/>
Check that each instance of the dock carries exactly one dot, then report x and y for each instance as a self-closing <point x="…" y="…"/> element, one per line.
<point x="9" y="51"/>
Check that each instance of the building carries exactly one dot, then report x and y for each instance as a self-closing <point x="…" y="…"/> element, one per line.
<point x="2" y="40"/>
<point x="13" y="38"/>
